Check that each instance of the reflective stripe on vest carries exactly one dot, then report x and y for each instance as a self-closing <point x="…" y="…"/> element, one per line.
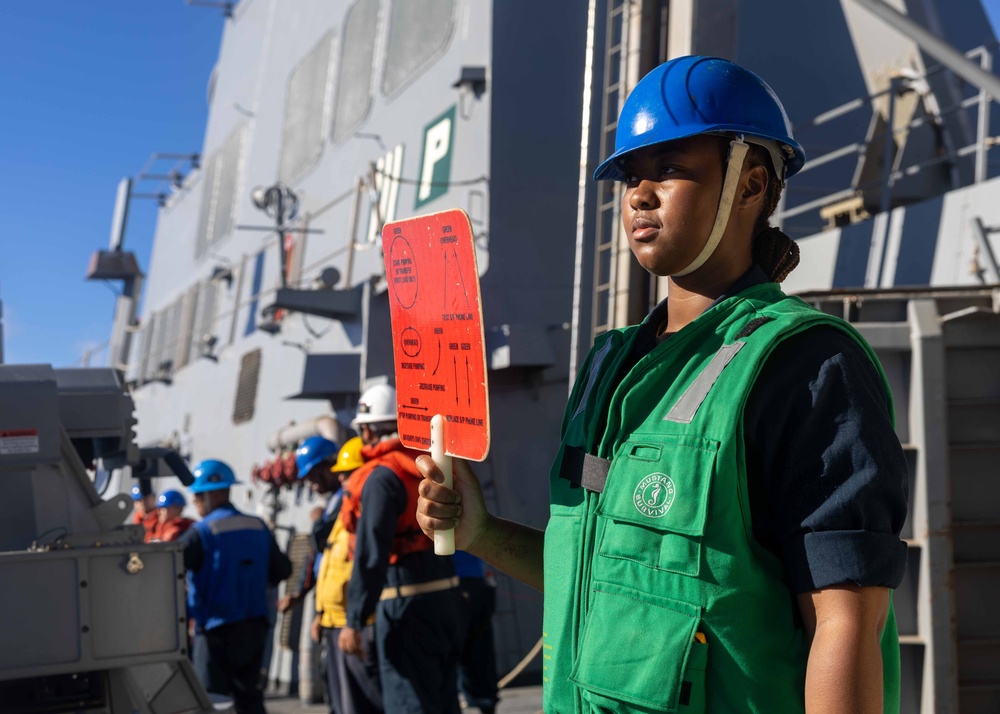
<point x="236" y="523"/>
<point x="686" y="407"/>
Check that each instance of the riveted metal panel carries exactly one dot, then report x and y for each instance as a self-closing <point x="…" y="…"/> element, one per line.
<point x="123" y="604"/>
<point x="46" y="629"/>
<point x="104" y="607"/>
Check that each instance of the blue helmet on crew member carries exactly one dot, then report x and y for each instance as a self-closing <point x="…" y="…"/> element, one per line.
<point x="212" y="475"/>
<point x="313" y="451"/>
<point x="171" y="498"/>
<point x="695" y="95"/>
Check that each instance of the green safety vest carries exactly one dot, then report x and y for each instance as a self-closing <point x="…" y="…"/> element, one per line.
<point x="657" y="596"/>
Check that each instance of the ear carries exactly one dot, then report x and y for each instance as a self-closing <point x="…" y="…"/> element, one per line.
<point x="754" y="188"/>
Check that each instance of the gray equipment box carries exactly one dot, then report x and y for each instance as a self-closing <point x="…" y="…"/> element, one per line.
<point x="89" y="609"/>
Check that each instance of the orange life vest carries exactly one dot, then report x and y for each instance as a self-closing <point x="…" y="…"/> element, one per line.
<point x="171" y="530"/>
<point x="149" y="521"/>
<point x="392" y="454"/>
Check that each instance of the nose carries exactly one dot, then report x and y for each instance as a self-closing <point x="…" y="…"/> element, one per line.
<point x="643" y="196"/>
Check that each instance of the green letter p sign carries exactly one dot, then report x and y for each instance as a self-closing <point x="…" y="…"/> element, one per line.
<point x="435" y="163"/>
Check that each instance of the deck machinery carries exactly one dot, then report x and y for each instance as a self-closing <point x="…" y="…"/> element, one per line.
<point x="93" y="618"/>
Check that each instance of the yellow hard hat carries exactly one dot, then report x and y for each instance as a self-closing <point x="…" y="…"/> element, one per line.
<point x="349" y="457"/>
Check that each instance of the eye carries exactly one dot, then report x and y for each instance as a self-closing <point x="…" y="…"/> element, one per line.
<point x="654" y="173"/>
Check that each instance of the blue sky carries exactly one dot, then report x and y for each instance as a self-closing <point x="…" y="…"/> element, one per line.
<point x="89" y="90"/>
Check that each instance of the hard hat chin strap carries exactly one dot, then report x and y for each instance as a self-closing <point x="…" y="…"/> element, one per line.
<point x="737" y="153"/>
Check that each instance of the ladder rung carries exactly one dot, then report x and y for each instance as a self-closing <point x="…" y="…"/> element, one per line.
<point x="978" y="565"/>
<point x="974" y="402"/>
<point x="976" y="524"/>
<point x="982" y="642"/>
<point x="975" y="445"/>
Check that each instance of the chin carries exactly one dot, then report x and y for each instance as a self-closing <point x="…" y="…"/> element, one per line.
<point x="654" y="261"/>
<point x="658" y="271"/>
<point x="657" y="268"/>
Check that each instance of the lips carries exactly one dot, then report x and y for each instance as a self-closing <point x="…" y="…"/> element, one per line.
<point x="643" y="229"/>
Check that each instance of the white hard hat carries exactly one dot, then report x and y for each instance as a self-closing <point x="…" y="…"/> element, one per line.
<point x="377" y="404"/>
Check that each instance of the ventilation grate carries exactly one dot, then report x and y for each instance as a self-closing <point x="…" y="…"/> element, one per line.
<point x="306" y="112"/>
<point x="419" y="32"/>
<point x="354" y="88"/>
<point x="246" y="391"/>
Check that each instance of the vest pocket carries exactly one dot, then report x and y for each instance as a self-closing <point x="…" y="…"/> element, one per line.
<point x="640" y="653"/>
<point x="655" y="502"/>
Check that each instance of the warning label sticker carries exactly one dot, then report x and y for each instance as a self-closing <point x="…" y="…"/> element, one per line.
<point x="18" y="441"/>
<point x="437" y="326"/>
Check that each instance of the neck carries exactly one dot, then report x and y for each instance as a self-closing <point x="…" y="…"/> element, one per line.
<point x="216" y="506"/>
<point x="691" y="295"/>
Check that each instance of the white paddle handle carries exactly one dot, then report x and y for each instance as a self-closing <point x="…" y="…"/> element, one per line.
<point x="444" y="541"/>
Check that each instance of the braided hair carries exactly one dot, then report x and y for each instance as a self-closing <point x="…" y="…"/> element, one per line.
<point x="773" y="251"/>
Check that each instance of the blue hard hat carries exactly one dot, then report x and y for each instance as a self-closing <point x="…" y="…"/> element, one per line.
<point x="212" y="475"/>
<point x="313" y="450"/>
<point x="136" y="493"/>
<point x="171" y="498"/>
<point x="695" y="95"/>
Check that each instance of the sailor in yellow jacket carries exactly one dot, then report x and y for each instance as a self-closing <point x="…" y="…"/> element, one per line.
<point x="353" y="681"/>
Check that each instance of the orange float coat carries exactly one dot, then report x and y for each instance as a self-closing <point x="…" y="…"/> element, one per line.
<point x="172" y="529"/>
<point x="393" y="455"/>
<point x="150" y="521"/>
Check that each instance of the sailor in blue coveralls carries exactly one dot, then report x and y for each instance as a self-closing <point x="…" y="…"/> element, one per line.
<point x="231" y="558"/>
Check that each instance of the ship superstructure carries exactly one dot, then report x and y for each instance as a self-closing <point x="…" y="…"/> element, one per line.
<point x="367" y="111"/>
<point x="265" y="307"/>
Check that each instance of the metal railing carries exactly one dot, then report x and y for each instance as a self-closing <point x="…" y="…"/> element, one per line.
<point x="890" y="175"/>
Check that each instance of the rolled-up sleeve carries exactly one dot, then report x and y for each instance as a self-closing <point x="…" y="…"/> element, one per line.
<point x="827" y="475"/>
